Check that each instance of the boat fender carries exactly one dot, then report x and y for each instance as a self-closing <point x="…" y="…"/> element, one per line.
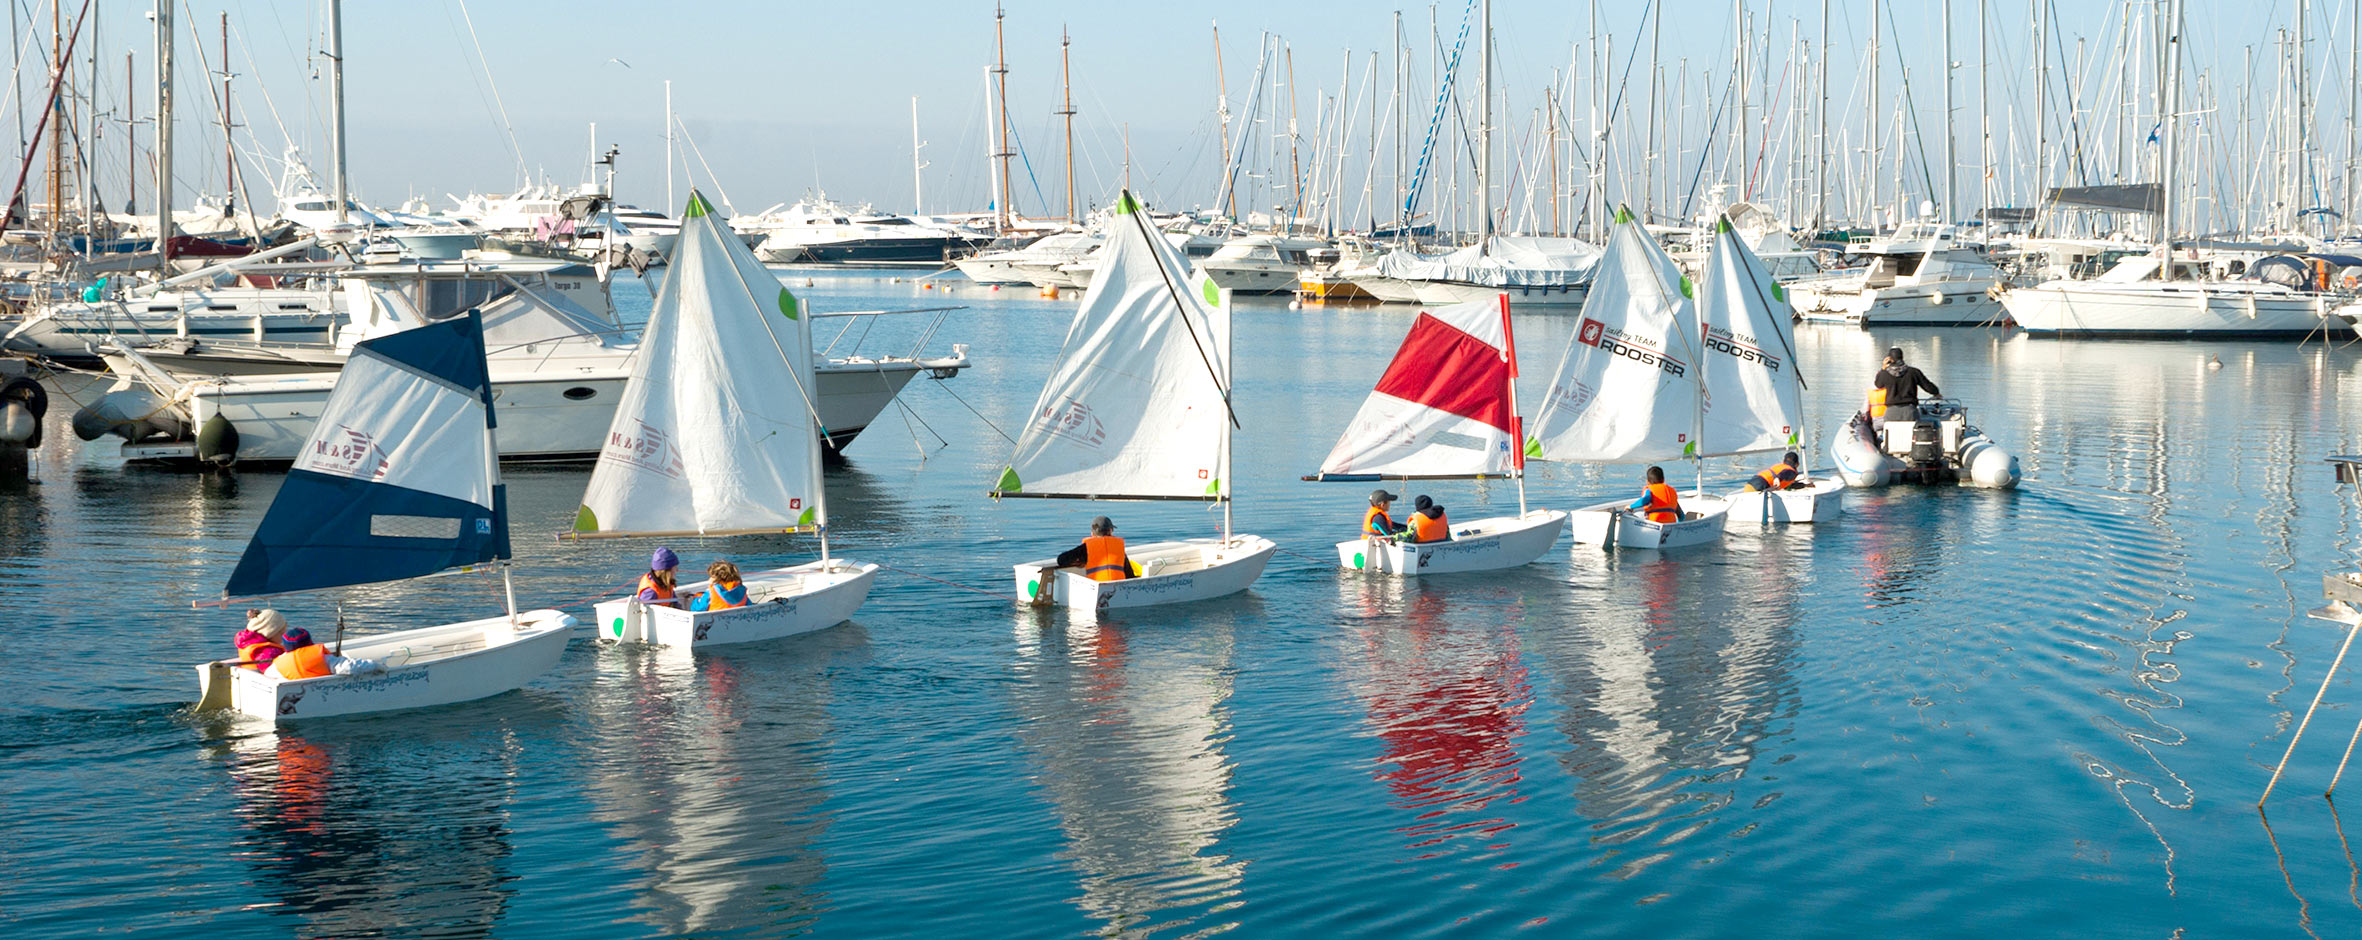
<point x="22" y="403"/>
<point x="1990" y="466"/>
<point x="217" y="442"/>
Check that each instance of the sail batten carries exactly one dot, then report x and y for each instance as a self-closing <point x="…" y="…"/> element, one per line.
<point x="715" y="430"/>
<point x="1137" y="406"/>
<point x="1441" y="410"/>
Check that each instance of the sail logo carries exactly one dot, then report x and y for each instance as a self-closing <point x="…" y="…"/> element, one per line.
<point x="1618" y="343"/>
<point x="346" y="453"/>
<point x="1729" y="344"/>
<point x="1073" y="421"/>
<point x="647" y="448"/>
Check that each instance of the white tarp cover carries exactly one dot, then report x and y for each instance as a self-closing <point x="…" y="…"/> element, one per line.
<point x="715" y="431"/>
<point x="1501" y="261"/>
<point x="1441" y="408"/>
<point x="1626" y="389"/>
<point x="1135" y="405"/>
<point x="1749" y="367"/>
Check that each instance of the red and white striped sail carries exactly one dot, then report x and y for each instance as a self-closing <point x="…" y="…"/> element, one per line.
<point x="1443" y="406"/>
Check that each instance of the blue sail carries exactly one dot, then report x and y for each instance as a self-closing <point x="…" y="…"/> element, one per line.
<point x="399" y="478"/>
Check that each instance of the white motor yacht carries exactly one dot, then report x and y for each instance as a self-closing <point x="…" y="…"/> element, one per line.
<point x="1918" y="275"/>
<point x="818" y="231"/>
<point x="1261" y="263"/>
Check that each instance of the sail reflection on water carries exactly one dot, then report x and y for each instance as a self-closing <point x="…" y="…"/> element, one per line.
<point x="1669" y="685"/>
<point x="379" y="831"/>
<point x="1446" y="692"/>
<point x="1126" y="726"/>
<point x="710" y="774"/>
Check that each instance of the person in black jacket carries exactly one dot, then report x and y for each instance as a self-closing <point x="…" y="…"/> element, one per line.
<point x="1900" y="384"/>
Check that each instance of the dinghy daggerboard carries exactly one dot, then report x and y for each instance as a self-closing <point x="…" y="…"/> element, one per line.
<point x="717" y="434"/>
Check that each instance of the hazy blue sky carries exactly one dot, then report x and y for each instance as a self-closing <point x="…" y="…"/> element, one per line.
<point x="781" y="97"/>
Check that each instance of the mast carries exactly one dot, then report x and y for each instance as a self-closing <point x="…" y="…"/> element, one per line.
<point x="1984" y="115"/>
<point x="1000" y="70"/>
<point x="1065" y="82"/>
<point x="669" y="204"/>
<point x="918" y="201"/>
<point x="1821" y="140"/>
<point x="1295" y="165"/>
<point x="1738" y="14"/>
<point x="163" y="17"/>
<point x="1516" y="422"/>
<point x="1222" y="110"/>
<point x="1484" y="122"/>
<point x="1402" y="114"/>
<point x="1550" y="125"/>
<point x="1951" y="163"/>
<point x="130" y="141"/>
<point x="229" y="149"/>
<point x="2169" y="109"/>
<point x="1870" y="108"/>
<point x="57" y="120"/>
<point x="1656" y="75"/>
<point x="2041" y="116"/>
<point x="336" y="107"/>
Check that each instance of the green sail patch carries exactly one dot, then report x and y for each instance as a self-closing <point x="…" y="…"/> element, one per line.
<point x="697" y="206"/>
<point x="1125" y="204"/>
<point x="787" y="303"/>
<point x="585" y="520"/>
<point x="809" y="515"/>
<point x="1213" y="293"/>
<point x="1009" y="482"/>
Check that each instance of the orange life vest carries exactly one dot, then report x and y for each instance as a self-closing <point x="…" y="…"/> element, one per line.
<point x="714" y="599"/>
<point x="1103" y="559"/>
<point x="303" y="662"/>
<point x="1428" y="529"/>
<point x="1877" y="403"/>
<point x="1371" y="522"/>
<point x="1663" y="504"/>
<point x="1771" y="478"/>
<point x="248" y="651"/>
<point x="648" y="583"/>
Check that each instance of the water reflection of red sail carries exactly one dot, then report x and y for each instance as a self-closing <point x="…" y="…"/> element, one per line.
<point x="1126" y="725"/>
<point x="1447" y="693"/>
<point x="721" y="816"/>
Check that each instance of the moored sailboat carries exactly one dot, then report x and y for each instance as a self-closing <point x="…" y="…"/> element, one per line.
<point x="400" y="480"/>
<point x="1445" y="409"/>
<point x="1138" y="406"/>
<point x="717" y="434"/>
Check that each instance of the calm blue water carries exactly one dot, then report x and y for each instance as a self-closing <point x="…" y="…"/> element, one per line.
<point x="1955" y="713"/>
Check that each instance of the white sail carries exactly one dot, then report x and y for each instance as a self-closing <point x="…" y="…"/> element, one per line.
<point x="1753" y="393"/>
<point x="1626" y="390"/>
<point x="1136" y="405"/>
<point x="1442" y="407"/>
<point x="715" y="431"/>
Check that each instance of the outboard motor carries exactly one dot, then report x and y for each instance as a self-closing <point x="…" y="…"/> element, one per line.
<point x="1927" y="444"/>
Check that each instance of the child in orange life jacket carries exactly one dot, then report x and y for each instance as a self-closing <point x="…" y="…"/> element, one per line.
<point x="725" y="592"/>
<point x="1427" y="522"/>
<point x="656" y="587"/>
<point x="1378" y="522"/>
<point x="1101" y="556"/>
<point x="305" y="659"/>
<point x="258" y="641"/>
<point x="1657" y="500"/>
<point x="1777" y="478"/>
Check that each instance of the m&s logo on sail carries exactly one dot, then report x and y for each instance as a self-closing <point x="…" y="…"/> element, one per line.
<point x="347" y="453"/>
<point x="1073" y="421"/>
<point x="1619" y="343"/>
<point x="647" y="448"/>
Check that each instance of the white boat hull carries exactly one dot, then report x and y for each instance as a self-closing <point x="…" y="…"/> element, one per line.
<point x="2176" y="309"/>
<point x="425" y="667"/>
<point x="1443" y="293"/>
<point x="1249" y="277"/>
<point x="1483" y="545"/>
<point x="1171" y="573"/>
<point x="1608" y="525"/>
<point x="1808" y="501"/>
<point x="780" y="602"/>
<point x="1386" y="289"/>
<point x="1950" y="303"/>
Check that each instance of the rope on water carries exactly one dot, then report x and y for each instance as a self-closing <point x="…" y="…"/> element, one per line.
<point x="1317" y="561"/>
<point x="1011" y="598"/>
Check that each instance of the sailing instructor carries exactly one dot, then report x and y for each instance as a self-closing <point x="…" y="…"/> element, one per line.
<point x="1894" y="392"/>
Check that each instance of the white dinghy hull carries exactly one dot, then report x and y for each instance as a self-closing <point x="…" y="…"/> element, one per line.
<point x="429" y="666"/>
<point x="1484" y="545"/>
<point x="780" y="602"/>
<point x="1608" y="525"/>
<point x="1807" y="501"/>
<point x="1170" y="573"/>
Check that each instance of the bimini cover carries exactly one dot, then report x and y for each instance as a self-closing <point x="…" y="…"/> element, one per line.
<point x="399" y="477"/>
<point x="716" y="430"/>
<point x="1506" y="261"/>
<point x="1748" y="365"/>
<point x="1626" y="389"/>
<point x="2123" y="197"/>
<point x="1138" y="402"/>
<point x="1442" y="408"/>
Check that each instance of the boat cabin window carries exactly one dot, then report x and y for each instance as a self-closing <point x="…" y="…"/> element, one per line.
<point x="311" y="207"/>
<point x="438" y="298"/>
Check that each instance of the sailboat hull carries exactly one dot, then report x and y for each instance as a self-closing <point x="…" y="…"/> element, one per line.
<point x="1483" y="545"/>
<point x="1458" y="292"/>
<point x="1170" y="573"/>
<point x="425" y="667"/>
<point x="782" y="602"/>
<point x="1814" y="501"/>
<point x="1607" y="525"/>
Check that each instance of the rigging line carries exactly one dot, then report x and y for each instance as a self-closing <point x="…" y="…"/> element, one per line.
<point x="911" y="414"/>
<point x="709" y="169"/>
<point x="928" y="577"/>
<point x="273" y="106"/>
<point x="955" y="396"/>
<point x="804" y="314"/>
<point x="1181" y="308"/>
<point x="505" y="126"/>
